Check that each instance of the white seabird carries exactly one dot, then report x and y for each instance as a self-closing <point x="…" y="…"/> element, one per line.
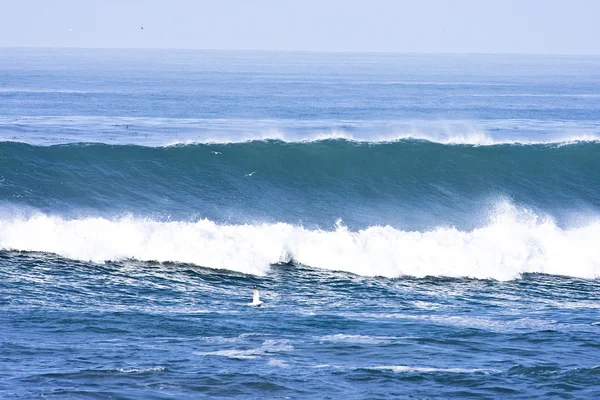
<point x="251" y="173"/>
<point x="255" y="298"/>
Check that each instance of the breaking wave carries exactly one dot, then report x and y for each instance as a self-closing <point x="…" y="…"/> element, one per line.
<point x="512" y="243"/>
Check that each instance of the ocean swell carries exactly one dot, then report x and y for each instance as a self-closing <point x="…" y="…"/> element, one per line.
<point x="302" y="183"/>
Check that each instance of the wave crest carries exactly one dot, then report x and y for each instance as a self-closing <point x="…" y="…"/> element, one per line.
<point x="160" y="132"/>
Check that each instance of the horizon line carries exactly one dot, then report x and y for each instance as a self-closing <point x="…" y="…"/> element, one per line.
<point x="474" y="53"/>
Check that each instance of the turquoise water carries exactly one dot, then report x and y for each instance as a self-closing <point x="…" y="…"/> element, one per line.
<point x="419" y="226"/>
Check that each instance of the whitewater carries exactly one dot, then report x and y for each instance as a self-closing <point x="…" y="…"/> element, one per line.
<point x="418" y="226"/>
<point x="506" y="248"/>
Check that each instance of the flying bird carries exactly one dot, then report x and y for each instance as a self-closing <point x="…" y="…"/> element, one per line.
<point x="251" y="173"/>
<point x="216" y="153"/>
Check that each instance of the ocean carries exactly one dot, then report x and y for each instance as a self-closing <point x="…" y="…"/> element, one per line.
<point x="419" y="226"/>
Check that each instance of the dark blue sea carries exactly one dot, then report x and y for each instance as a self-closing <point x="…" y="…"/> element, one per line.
<point x="419" y="226"/>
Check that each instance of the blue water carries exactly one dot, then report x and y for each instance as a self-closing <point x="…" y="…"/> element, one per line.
<point x="418" y="226"/>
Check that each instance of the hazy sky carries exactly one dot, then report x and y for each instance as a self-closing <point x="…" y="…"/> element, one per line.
<point x="424" y="26"/>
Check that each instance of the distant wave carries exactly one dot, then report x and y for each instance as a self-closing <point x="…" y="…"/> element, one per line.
<point x="475" y="138"/>
<point x="160" y="132"/>
<point x="512" y="243"/>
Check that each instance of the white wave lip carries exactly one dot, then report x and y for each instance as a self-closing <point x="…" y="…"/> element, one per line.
<point x="511" y="244"/>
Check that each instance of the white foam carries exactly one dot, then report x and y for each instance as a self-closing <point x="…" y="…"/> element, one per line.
<point x="268" y="348"/>
<point x="278" y="363"/>
<point x="141" y="370"/>
<point x="359" y="339"/>
<point x="239" y="354"/>
<point x="405" y="369"/>
<point x="512" y="243"/>
<point x="409" y="369"/>
<point x="219" y="339"/>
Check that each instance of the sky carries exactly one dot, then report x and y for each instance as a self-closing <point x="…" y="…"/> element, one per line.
<point x="415" y="26"/>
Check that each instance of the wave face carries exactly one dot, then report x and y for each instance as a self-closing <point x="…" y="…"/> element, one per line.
<point x="409" y="207"/>
<point x="412" y="184"/>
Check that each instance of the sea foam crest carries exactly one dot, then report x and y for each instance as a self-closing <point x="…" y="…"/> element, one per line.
<point x="159" y="132"/>
<point x="472" y="137"/>
<point x="512" y="243"/>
